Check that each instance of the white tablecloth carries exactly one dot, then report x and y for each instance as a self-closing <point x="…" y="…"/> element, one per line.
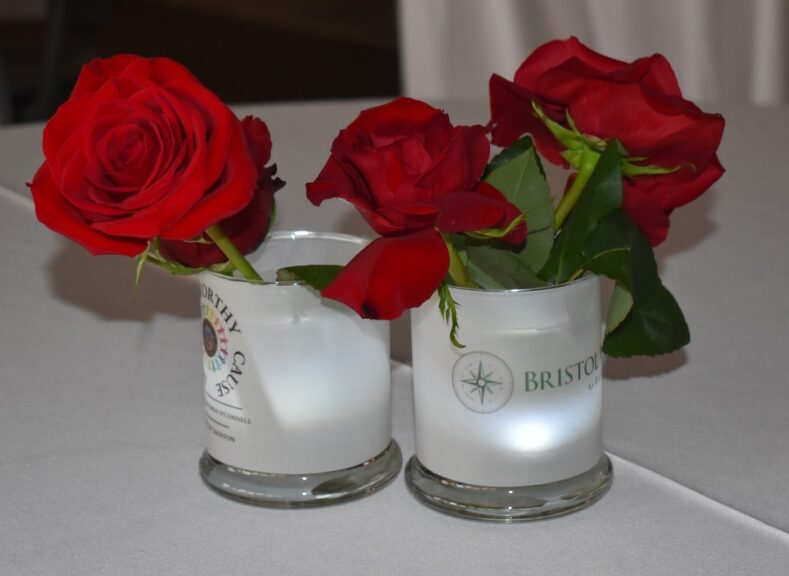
<point x="101" y="418"/>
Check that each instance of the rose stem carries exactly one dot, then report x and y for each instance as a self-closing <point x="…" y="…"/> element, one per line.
<point x="456" y="268"/>
<point x="233" y="255"/>
<point x="589" y="160"/>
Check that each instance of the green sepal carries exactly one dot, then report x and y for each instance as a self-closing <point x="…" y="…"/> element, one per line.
<point x="318" y="276"/>
<point x="631" y="169"/>
<point x="153" y="256"/>
<point x="142" y="257"/>
<point x="448" y="308"/>
<point x="174" y="268"/>
<point x="496" y="233"/>
<point x="575" y="141"/>
<point x="570" y="138"/>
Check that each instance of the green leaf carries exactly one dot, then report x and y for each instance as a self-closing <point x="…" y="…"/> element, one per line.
<point x="599" y="237"/>
<point x="602" y="195"/>
<point x="518" y="174"/>
<point x="619" y="307"/>
<point x="319" y="276"/>
<point x="494" y="267"/>
<point x="448" y="308"/>
<point x="653" y="323"/>
<point x="509" y="153"/>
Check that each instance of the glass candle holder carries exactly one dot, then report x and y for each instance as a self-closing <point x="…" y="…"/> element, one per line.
<point x="509" y="427"/>
<point x="297" y="388"/>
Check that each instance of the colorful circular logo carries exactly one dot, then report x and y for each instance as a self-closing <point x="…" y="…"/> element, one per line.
<point x="482" y="381"/>
<point x="210" y="342"/>
<point x="214" y="339"/>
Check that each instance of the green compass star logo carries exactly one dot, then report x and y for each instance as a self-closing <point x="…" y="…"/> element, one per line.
<point x="482" y="381"/>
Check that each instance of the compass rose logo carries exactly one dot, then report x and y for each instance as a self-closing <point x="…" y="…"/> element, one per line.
<point x="482" y="382"/>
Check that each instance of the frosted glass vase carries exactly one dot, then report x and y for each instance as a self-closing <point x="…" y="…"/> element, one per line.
<point x="509" y="428"/>
<point x="297" y="388"/>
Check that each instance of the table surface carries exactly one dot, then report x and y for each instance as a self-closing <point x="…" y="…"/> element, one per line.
<point x="101" y="415"/>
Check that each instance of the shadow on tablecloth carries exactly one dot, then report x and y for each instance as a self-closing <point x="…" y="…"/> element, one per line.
<point x="104" y="285"/>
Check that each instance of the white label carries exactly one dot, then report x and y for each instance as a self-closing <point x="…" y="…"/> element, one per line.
<point x="224" y="366"/>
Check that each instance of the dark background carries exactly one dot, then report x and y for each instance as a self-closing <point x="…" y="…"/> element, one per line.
<point x="244" y="50"/>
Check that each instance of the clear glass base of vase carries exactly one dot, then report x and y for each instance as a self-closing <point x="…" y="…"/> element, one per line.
<point x="509" y="504"/>
<point x="302" y="490"/>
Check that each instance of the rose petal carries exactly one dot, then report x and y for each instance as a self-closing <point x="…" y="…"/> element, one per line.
<point x="335" y="181"/>
<point x="401" y="115"/>
<point x="228" y="196"/>
<point x="554" y="53"/>
<point x="392" y="275"/>
<point x="512" y="116"/>
<point x="382" y="171"/>
<point x="54" y="213"/>
<point x="246" y="230"/>
<point x="258" y="139"/>
<point x="332" y="182"/>
<point x="461" y="163"/>
<point x="99" y="71"/>
<point x="178" y="193"/>
<point x="650" y="200"/>
<point x="407" y="217"/>
<point x="518" y="235"/>
<point x="474" y="210"/>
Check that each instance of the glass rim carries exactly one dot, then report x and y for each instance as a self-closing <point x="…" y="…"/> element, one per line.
<point x="361" y="241"/>
<point x="278" y="235"/>
<point x="585" y="277"/>
<point x="315" y="235"/>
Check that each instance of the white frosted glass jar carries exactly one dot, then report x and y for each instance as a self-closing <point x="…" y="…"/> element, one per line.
<point x="297" y="388"/>
<point x="510" y="427"/>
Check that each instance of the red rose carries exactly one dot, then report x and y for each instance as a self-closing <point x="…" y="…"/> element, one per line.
<point x="247" y="228"/>
<point x="412" y="175"/>
<point x="142" y="150"/>
<point x="639" y="104"/>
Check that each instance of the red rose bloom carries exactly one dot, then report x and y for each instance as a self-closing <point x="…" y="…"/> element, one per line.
<point x="142" y="150"/>
<point x="412" y="175"/>
<point x="639" y="104"/>
<point x="248" y="228"/>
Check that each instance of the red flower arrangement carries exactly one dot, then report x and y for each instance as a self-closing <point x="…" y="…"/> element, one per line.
<point x="637" y="149"/>
<point x="142" y="160"/>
